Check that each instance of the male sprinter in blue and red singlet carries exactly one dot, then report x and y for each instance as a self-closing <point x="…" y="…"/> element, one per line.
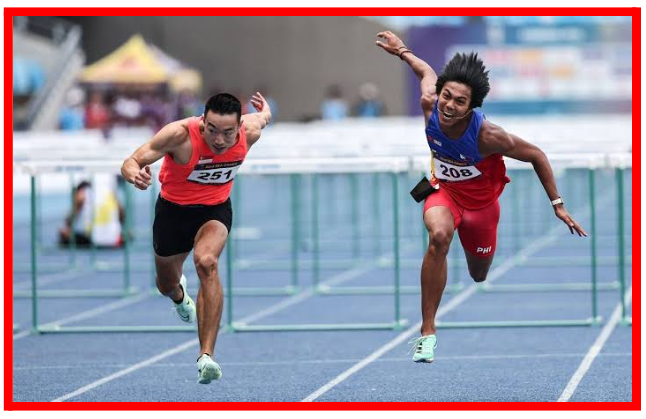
<point x="468" y="166"/>
<point x="201" y="158"/>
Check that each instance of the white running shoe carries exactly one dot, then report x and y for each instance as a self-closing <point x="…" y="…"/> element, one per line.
<point x="186" y="309"/>
<point x="207" y="370"/>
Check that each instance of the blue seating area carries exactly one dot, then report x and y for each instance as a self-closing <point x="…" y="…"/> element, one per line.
<point x="28" y="76"/>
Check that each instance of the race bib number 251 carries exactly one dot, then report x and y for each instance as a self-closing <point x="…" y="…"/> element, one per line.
<point x="214" y="173"/>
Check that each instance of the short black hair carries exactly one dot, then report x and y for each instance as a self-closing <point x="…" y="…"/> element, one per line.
<point x="83" y="184"/>
<point x="469" y="70"/>
<point x="224" y="104"/>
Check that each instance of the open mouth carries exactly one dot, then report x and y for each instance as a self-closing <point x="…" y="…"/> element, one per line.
<point x="447" y="115"/>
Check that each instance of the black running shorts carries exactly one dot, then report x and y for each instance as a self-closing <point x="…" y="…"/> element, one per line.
<point x="176" y="226"/>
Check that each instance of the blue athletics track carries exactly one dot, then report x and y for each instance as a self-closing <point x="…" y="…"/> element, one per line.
<point x="314" y="316"/>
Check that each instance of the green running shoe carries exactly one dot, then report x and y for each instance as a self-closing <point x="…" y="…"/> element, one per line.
<point x="207" y="369"/>
<point x="186" y="309"/>
<point x="424" y="348"/>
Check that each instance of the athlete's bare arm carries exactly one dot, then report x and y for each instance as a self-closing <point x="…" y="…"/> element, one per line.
<point x="493" y="139"/>
<point x="255" y="122"/>
<point x="422" y="70"/>
<point x="168" y="140"/>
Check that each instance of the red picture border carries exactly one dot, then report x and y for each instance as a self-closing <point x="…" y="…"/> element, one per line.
<point x="9" y="13"/>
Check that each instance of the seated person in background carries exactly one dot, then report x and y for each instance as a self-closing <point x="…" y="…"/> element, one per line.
<point x="97" y="113"/>
<point x="28" y="76"/>
<point x="96" y="217"/>
<point x="369" y="104"/>
<point x="74" y="222"/>
<point x="72" y="115"/>
<point x="334" y="106"/>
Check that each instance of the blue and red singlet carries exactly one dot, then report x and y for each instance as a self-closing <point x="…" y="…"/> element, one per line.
<point x="469" y="185"/>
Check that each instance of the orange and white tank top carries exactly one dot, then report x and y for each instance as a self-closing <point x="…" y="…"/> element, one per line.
<point x="207" y="178"/>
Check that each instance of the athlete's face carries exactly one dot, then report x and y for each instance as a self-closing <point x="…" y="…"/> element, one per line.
<point x="220" y="131"/>
<point x="454" y="102"/>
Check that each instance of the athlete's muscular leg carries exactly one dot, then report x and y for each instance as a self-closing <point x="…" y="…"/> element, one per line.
<point x="169" y="272"/>
<point x="209" y="243"/>
<point x="440" y="225"/>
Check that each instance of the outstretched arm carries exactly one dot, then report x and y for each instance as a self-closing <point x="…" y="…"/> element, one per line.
<point x="136" y="168"/>
<point x="255" y="122"/>
<point x="494" y="139"/>
<point x="422" y="70"/>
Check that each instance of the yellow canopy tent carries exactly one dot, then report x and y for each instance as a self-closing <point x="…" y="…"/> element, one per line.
<point x="131" y="63"/>
<point x="138" y="63"/>
<point x="181" y="77"/>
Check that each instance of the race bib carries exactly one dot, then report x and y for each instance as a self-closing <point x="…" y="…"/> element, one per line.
<point x="214" y="173"/>
<point x="453" y="172"/>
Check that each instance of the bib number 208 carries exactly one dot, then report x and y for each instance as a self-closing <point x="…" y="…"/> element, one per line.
<point x="455" y="173"/>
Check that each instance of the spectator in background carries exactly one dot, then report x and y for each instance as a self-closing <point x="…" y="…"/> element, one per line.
<point x="96" y="217"/>
<point x="188" y="105"/>
<point x="334" y="106"/>
<point x="369" y="104"/>
<point x="78" y="222"/>
<point x="97" y="114"/>
<point x="127" y="110"/>
<point x="28" y="76"/>
<point x="154" y="111"/>
<point x="72" y="116"/>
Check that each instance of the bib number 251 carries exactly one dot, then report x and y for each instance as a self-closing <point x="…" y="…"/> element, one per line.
<point x="215" y="175"/>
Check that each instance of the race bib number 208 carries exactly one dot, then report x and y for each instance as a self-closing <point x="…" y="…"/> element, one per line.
<point x="214" y="173"/>
<point x="454" y="173"/>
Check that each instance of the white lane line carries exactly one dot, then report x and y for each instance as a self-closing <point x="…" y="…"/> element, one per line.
<point x="20" y="335"/>
<point x="90" y="313"/>
<point x="454" y="302"/>
<point x="72" y="274"/>
<point x="331" y="361"/>
<point x="128" y="370"/>
<point x="50" y="279"/>
<point x="100" y="310"/>
<point x="595" y="349"/>
<point x="337" y="279"/>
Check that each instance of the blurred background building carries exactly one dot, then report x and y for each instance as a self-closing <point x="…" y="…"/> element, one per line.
<point x="68" y="74"/>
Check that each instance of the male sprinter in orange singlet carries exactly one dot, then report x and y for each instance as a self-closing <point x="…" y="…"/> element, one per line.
<point x="201" y="158"/>
<point x="468" y="166"/>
